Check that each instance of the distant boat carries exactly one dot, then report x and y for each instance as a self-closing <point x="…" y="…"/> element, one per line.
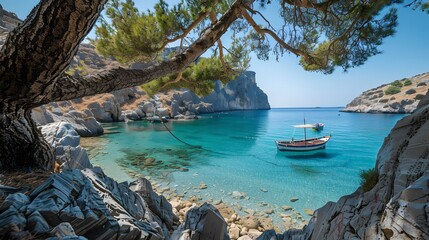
<point x="303" y="144"/>
<point x="318" y="126"/>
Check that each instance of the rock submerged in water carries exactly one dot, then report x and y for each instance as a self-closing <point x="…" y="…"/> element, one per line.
<point x="309" y="212"/>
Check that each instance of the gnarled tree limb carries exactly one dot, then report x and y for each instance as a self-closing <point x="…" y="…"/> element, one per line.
<point x="69" y="87"/>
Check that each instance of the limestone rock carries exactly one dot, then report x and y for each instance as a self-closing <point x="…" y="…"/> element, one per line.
<point x="65" y="141"/>
<point x="239" y="94"/>
<point x="234" y="233"/>
<point x="148" y="107"/>
<point x="202" y="223"/>
<point x="106" y="111"/>
<point x="83" y="122"/>
<point x="85" y="125"/>
<point x="249" y="221"/>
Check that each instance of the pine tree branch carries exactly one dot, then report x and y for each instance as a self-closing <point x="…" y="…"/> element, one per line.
<point x="69" y="87"/>
<point x="264" y="31"/>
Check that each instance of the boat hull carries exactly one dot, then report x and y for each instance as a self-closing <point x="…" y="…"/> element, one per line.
<point x="303" y="145"/>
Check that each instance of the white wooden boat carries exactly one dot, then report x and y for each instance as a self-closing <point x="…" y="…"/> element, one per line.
<point x="303" y="144"/>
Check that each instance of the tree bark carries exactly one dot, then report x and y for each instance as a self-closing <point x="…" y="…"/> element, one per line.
<point x="33" y="57"/>
<point x="21" y="143"/>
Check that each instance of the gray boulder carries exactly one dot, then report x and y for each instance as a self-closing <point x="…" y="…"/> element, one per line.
<point x="108" y="110"/>
<point x="147" y="107"/>
<point x="84" y="124"/>
<point x="131" y="115"/>
<point x="66" y="143"/>
<point x="202" y="223"/>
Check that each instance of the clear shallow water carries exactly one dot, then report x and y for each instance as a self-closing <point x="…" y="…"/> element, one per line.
<point x="238" y="154"/>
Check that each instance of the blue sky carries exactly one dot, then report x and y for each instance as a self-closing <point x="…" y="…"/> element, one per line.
<point x="287" y="85"/>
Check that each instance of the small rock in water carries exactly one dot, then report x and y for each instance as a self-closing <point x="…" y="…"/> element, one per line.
<point x="149" y="161"/>
<point x="269" y="211"/>
<point x="237" y="194"/>
<point x="294" y="199"/>
<point x="309" y="212"/>
<point x="202" y="186"/>
<point x="264" y="190"/>
<point x="286" y="207"/>
<point x="217" y="202"/>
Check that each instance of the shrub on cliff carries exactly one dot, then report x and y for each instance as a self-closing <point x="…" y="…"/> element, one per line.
<point x="407" y="82"/>
<point x="392" y="90"/>
<point x="368" y="179"/>
<point x="396" y="83"/>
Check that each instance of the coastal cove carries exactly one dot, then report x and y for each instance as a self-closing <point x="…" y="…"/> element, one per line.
<point x="236" y="152"/>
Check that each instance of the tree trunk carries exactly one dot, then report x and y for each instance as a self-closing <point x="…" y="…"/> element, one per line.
<point x="21" y="143"/>
<point x="33" y="57"/>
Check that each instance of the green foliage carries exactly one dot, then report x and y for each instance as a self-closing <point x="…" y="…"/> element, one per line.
<point x="197" y="78"/>
<point x="396" y="83"/>
<point x="368" y="178"/>
<point x="392" y="90"/>
<point x="407" y="82"/>
<point x="344" y="34"/>
<point x="133" y="36"/>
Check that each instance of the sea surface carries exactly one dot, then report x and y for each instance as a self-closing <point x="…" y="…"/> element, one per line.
<point x="235" y="151"/>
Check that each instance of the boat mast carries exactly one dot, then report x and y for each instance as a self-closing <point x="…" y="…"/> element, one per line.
<point x="305" y="133"/>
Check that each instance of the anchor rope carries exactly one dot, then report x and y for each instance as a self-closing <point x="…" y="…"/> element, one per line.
<point x="205" y="149"/>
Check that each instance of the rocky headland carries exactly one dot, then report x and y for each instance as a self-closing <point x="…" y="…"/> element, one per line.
<point x="401" y="96"/>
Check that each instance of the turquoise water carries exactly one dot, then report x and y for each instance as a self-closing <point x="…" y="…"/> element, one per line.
<point x="237" y="153"/>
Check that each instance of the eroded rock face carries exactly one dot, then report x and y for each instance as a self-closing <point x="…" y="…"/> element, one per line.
<point x="398" y="205"/>
<point x="82" y="203"/>
<point x="239" y="94"/>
